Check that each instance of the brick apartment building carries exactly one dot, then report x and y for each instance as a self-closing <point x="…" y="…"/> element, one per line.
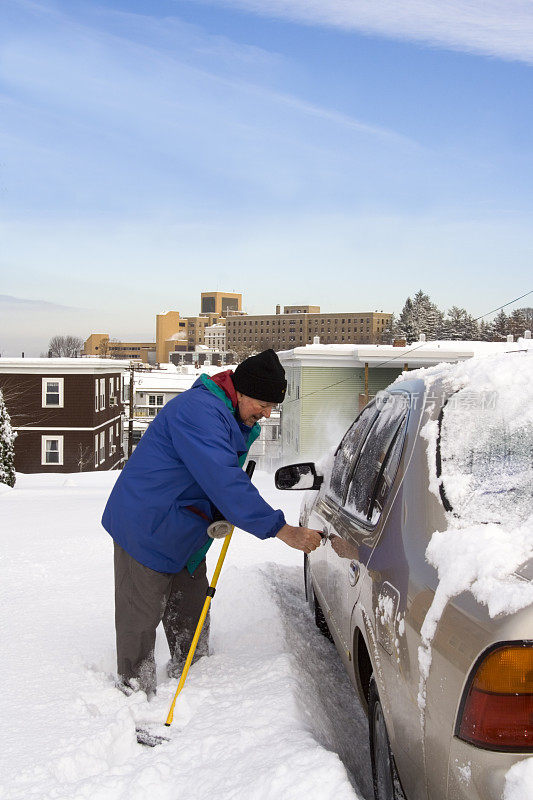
<point x="298" y="325"/>
<point x="67" y="412"/>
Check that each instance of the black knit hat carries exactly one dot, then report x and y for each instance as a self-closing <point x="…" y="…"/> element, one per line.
<point x="261" y="377"/>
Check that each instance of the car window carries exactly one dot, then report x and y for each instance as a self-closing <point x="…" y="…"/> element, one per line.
<point x="348" y="450"/>
<point x="378" y="462"/>
<point x="485" y="462"/>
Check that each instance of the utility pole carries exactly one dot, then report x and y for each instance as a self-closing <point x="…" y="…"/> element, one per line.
<point x="140" y="368"/>
<point x="130" y="426"/>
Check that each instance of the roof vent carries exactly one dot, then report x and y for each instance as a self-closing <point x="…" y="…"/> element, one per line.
<point x="422" y="337"/>
<point x="510" y="337"/>
<point x="527" y="334"/>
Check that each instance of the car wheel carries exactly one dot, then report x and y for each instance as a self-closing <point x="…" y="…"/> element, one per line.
<point x="385" y="777"/>
<point x="314" y="605"/>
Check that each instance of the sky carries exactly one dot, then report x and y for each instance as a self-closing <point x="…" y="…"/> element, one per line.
<point x="342" y="154"/>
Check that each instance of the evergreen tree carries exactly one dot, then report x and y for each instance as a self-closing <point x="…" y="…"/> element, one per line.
<point x="7" y="449"/>
<point x="459" y="324"/>
<point x="487" y="332"/>
<point x="405" y="324"/>
<point x="517" y="323"/>
<point x="500" y="324"/>
<point x="418" y="316"/>
<point x="428" y="318"/>
<point x="528" y="317"/>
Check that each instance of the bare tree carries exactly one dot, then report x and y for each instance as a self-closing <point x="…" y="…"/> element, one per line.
<point x="243" y="351"/>
<point x="85" y="457"/>
<point x="64" y="346"/>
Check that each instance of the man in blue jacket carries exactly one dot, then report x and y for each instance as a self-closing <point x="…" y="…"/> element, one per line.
<point x="188" y="463"/>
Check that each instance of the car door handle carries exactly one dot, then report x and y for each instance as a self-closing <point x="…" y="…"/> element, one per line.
<point x="354" y="572"/>
<point x="325" y="536"/>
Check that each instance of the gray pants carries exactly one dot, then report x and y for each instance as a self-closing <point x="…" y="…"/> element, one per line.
<point x="144" y="598"/>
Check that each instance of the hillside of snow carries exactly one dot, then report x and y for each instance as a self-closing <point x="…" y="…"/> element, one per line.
<point x="270" y="714"/>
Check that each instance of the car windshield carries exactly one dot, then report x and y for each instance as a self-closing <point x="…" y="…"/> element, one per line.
<point x="486" y="459"/>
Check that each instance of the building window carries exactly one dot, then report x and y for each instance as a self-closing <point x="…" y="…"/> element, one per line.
<point x="51" y="450"/>
<point x="102" y="394"/>
<point x="102" y="446"/>
<point x="155" y="399"/>
<point x="111" y="442"/>
<point x="53" y="392"/>
<point x="96" y="450"/>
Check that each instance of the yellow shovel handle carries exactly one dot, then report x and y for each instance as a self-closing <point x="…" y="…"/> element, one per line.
<point x="203" y="615"/>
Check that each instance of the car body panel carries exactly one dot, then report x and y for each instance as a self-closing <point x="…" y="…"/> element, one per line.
<point x="376" y="587"/>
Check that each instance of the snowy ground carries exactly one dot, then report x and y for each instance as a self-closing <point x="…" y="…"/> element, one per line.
<point x="270" y="714"/>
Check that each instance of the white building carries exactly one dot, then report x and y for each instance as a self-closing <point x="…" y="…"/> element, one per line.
<point x="327" y="385"/>
<point x="154" y="388"/>
<point x="215" y="337"/>
<point x="266" y="450"/>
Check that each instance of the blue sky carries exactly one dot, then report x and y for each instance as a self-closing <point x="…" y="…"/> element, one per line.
<point x="343" y="154"/>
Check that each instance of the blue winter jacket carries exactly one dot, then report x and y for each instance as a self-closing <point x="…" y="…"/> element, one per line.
<point x="189" y="456"/>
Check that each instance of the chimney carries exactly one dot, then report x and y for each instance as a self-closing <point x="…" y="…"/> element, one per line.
<point x="278" y="309"/>
<point x="510" y="337"/>
<point x="316" y="339"/>
<point x="527" y="334"/>
<point x="422" y="337"/>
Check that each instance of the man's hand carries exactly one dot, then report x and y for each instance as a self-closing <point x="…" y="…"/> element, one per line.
<point x="305" y="539"/>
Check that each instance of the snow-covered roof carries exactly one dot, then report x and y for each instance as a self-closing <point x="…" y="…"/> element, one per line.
<point x="169" y="381"/>
<point x="177" y="379"/>
<point x="38" y="365"/>
<point x="417" y="354"/>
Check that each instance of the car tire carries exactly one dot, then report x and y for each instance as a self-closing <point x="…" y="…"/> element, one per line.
<point x="314" y="605"/>
<point x="384" y="774"/>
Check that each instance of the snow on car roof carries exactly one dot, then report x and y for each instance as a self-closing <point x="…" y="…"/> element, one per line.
<point x="473" y="554"/>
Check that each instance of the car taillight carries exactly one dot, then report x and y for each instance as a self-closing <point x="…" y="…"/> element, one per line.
<point x="497" y="713"/>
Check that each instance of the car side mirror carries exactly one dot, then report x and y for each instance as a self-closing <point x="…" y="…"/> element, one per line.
<point x="298" y="476"/>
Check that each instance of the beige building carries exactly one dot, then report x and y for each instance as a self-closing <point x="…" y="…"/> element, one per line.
<point x="220" y="303"/>
<point x="99" y="344"/>
<point x="184" y="334"/>
<point x="295" y="328"/>
<point x="170" y="334"/>
<point x="299" y="309"/>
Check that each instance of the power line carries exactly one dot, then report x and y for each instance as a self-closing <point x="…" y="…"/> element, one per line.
<point x="504" y="305"/>
<point x="344" y="380"/>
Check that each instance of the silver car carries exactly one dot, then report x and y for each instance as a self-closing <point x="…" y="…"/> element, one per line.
<point x="449" y="691"/>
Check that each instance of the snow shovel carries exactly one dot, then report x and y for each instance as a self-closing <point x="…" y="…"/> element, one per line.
<point x="218" y="529"/>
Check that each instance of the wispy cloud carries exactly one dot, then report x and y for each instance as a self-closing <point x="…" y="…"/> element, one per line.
<point x="501" y="28"/>
<point x="167" y="84"/>
<point x="8" y="302"/>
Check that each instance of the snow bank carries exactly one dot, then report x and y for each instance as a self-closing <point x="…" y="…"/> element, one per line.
<point x="519" y="781"/>
<point x="269" y="714"/>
